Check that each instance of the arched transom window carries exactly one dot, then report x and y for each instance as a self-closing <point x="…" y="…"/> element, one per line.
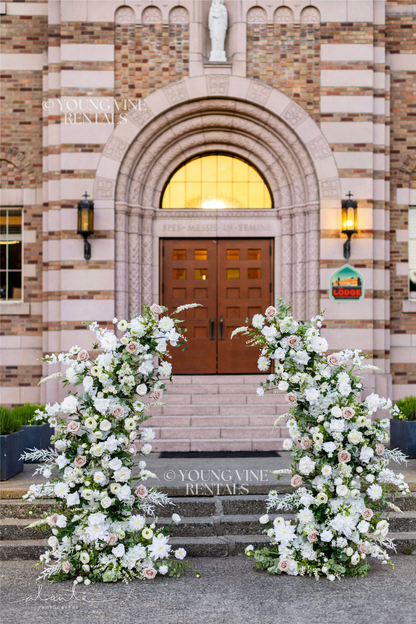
<point x="216" y="181"/>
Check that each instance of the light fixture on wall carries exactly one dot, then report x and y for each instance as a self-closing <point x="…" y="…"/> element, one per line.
<point x="349" y="222"/>
<point x="86" y="223"/>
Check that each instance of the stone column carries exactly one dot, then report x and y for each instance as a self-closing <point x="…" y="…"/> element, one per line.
<point x="312" y="273"/>
<point x="286" y="257"/>
<point x="147" y="256"/>
<point x="121" y="264"/>
<point x="134" y="256"/>
<point x="299" y="263"/>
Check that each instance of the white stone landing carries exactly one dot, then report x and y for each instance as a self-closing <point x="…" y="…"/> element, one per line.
<point x="218" y="413"/>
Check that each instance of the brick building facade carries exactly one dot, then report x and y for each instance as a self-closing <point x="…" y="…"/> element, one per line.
<point x="320" y="99"/>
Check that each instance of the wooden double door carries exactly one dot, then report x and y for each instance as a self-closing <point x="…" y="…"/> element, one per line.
<point x="232" y="280"/>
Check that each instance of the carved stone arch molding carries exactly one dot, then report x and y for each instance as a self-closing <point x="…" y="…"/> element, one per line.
<point x="199" y="115"/>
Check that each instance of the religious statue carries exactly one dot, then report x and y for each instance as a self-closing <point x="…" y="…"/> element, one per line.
<point x="218" y="24"/>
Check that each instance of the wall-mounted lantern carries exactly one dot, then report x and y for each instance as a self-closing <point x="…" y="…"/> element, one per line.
<point x="86" y="223"/>
<point x="349" y="222"/>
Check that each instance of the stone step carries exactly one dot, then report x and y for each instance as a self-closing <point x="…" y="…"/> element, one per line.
<point x="215" y="379"/>
<point x="219" y="410"/>
<point x="218" y="546"/>
<point x="213" y="432"/>
<point x="198" y="526"/>
<point x="190" y="506"/>
<point x="235" y="388"/>
<point x="219" y="444"/>
<point x="225" y="399"/>
<point x="233" y="420"/>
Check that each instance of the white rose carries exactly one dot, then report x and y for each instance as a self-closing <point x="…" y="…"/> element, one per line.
<point x="258" y="321"/>
<point x="355" y="437"/>
<point x="264" y="519"/>
<point x="372" y="402"/>
<point x="88" y="383"/>
<point x="319" y="344"/>
<point x="101" y="405"/>
<point x="105" y="425"/>
<point x="108" y="341"/>
<point x="122" y="474"/>
<point x="263" y="363"/>
<point x="306" y="465"/>
<point x="69" y="405"/>
<point x="283" y="386"/>
<point x="366" y="454"/>
<point x="141" y="389"/>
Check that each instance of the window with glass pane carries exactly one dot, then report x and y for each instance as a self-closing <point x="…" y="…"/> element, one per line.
<point x="412" y="252"/>
<point x="216" y="181"/>
<point x="10" y="254"/>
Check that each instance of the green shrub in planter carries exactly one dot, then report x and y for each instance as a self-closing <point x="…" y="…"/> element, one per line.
<point x="37" y="431"/>
<point x="403" y="430"/>
<point x="11" y="444"/>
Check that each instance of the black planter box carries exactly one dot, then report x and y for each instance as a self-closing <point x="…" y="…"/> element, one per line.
<point x="11" y="449"/>
<point x="403" y="436"/>
<point x="37" y="437"/>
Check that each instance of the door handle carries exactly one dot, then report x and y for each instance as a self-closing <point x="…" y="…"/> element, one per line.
<point x="221" y="322"/>
<point x="212" y="328"/>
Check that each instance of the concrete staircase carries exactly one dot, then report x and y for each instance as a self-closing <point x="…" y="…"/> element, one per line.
<point x="214" y="526"/>
<point x="218" y="413"/>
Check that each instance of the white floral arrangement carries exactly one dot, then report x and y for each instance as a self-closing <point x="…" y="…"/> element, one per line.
<point x="340" y="471"/>
<point x="100" y="530"/>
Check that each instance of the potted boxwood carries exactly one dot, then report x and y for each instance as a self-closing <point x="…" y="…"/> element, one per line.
<point x="11" y="444"/>
<point x="37" y="431"/>
<point x="403" y="428"/>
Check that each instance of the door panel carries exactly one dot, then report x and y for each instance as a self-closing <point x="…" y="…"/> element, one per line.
<point x="244" y="279"/>
<point x="189" y="275"/>
<point x="231" y="279"/>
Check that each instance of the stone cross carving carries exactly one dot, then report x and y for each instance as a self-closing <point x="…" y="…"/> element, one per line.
<point x="218" y="24"/>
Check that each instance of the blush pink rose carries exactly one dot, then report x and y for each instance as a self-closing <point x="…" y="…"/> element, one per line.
<point x="80" y="461"/>
<point x="296" y="481"/>
<point x="271" y="312"/>
<point x="156" y="309"/>
<point x="379" y="449"/>
<point x="112" y="539"/>
<point x="141" y="491"/>
<point x="83" y="355"/>
<point x="292" y="341"/>
<point x="344" y="457"/>
<point x="149" y="573"/>
<point x="156" y="394"/>
<point x="362" y="548"/>
<point x="67" y="566"/>
<point x="118" y="412"/>
<point x="283" y="565"/>
<point x="73" y="427"/>
<point x="334" y="359"/>
<point x="305" y="443"/>
<point x="313" y="536"/>
<point x="290" y="398"/>
<point x="53" y="520"/>
<point x="132" y="347"/>
<point x="348" y="412"/>
<point x="131" y="450"/>
<point x="367" y="514"/>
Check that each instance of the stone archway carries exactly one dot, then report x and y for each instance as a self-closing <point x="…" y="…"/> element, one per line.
<point x="217" y="113"/>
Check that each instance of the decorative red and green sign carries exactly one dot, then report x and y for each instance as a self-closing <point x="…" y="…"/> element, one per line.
<point x="347" y="284"/>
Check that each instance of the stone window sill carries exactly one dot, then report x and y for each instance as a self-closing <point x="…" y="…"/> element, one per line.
<point x="409" y="306"/>
<point x="14" y="309"/>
